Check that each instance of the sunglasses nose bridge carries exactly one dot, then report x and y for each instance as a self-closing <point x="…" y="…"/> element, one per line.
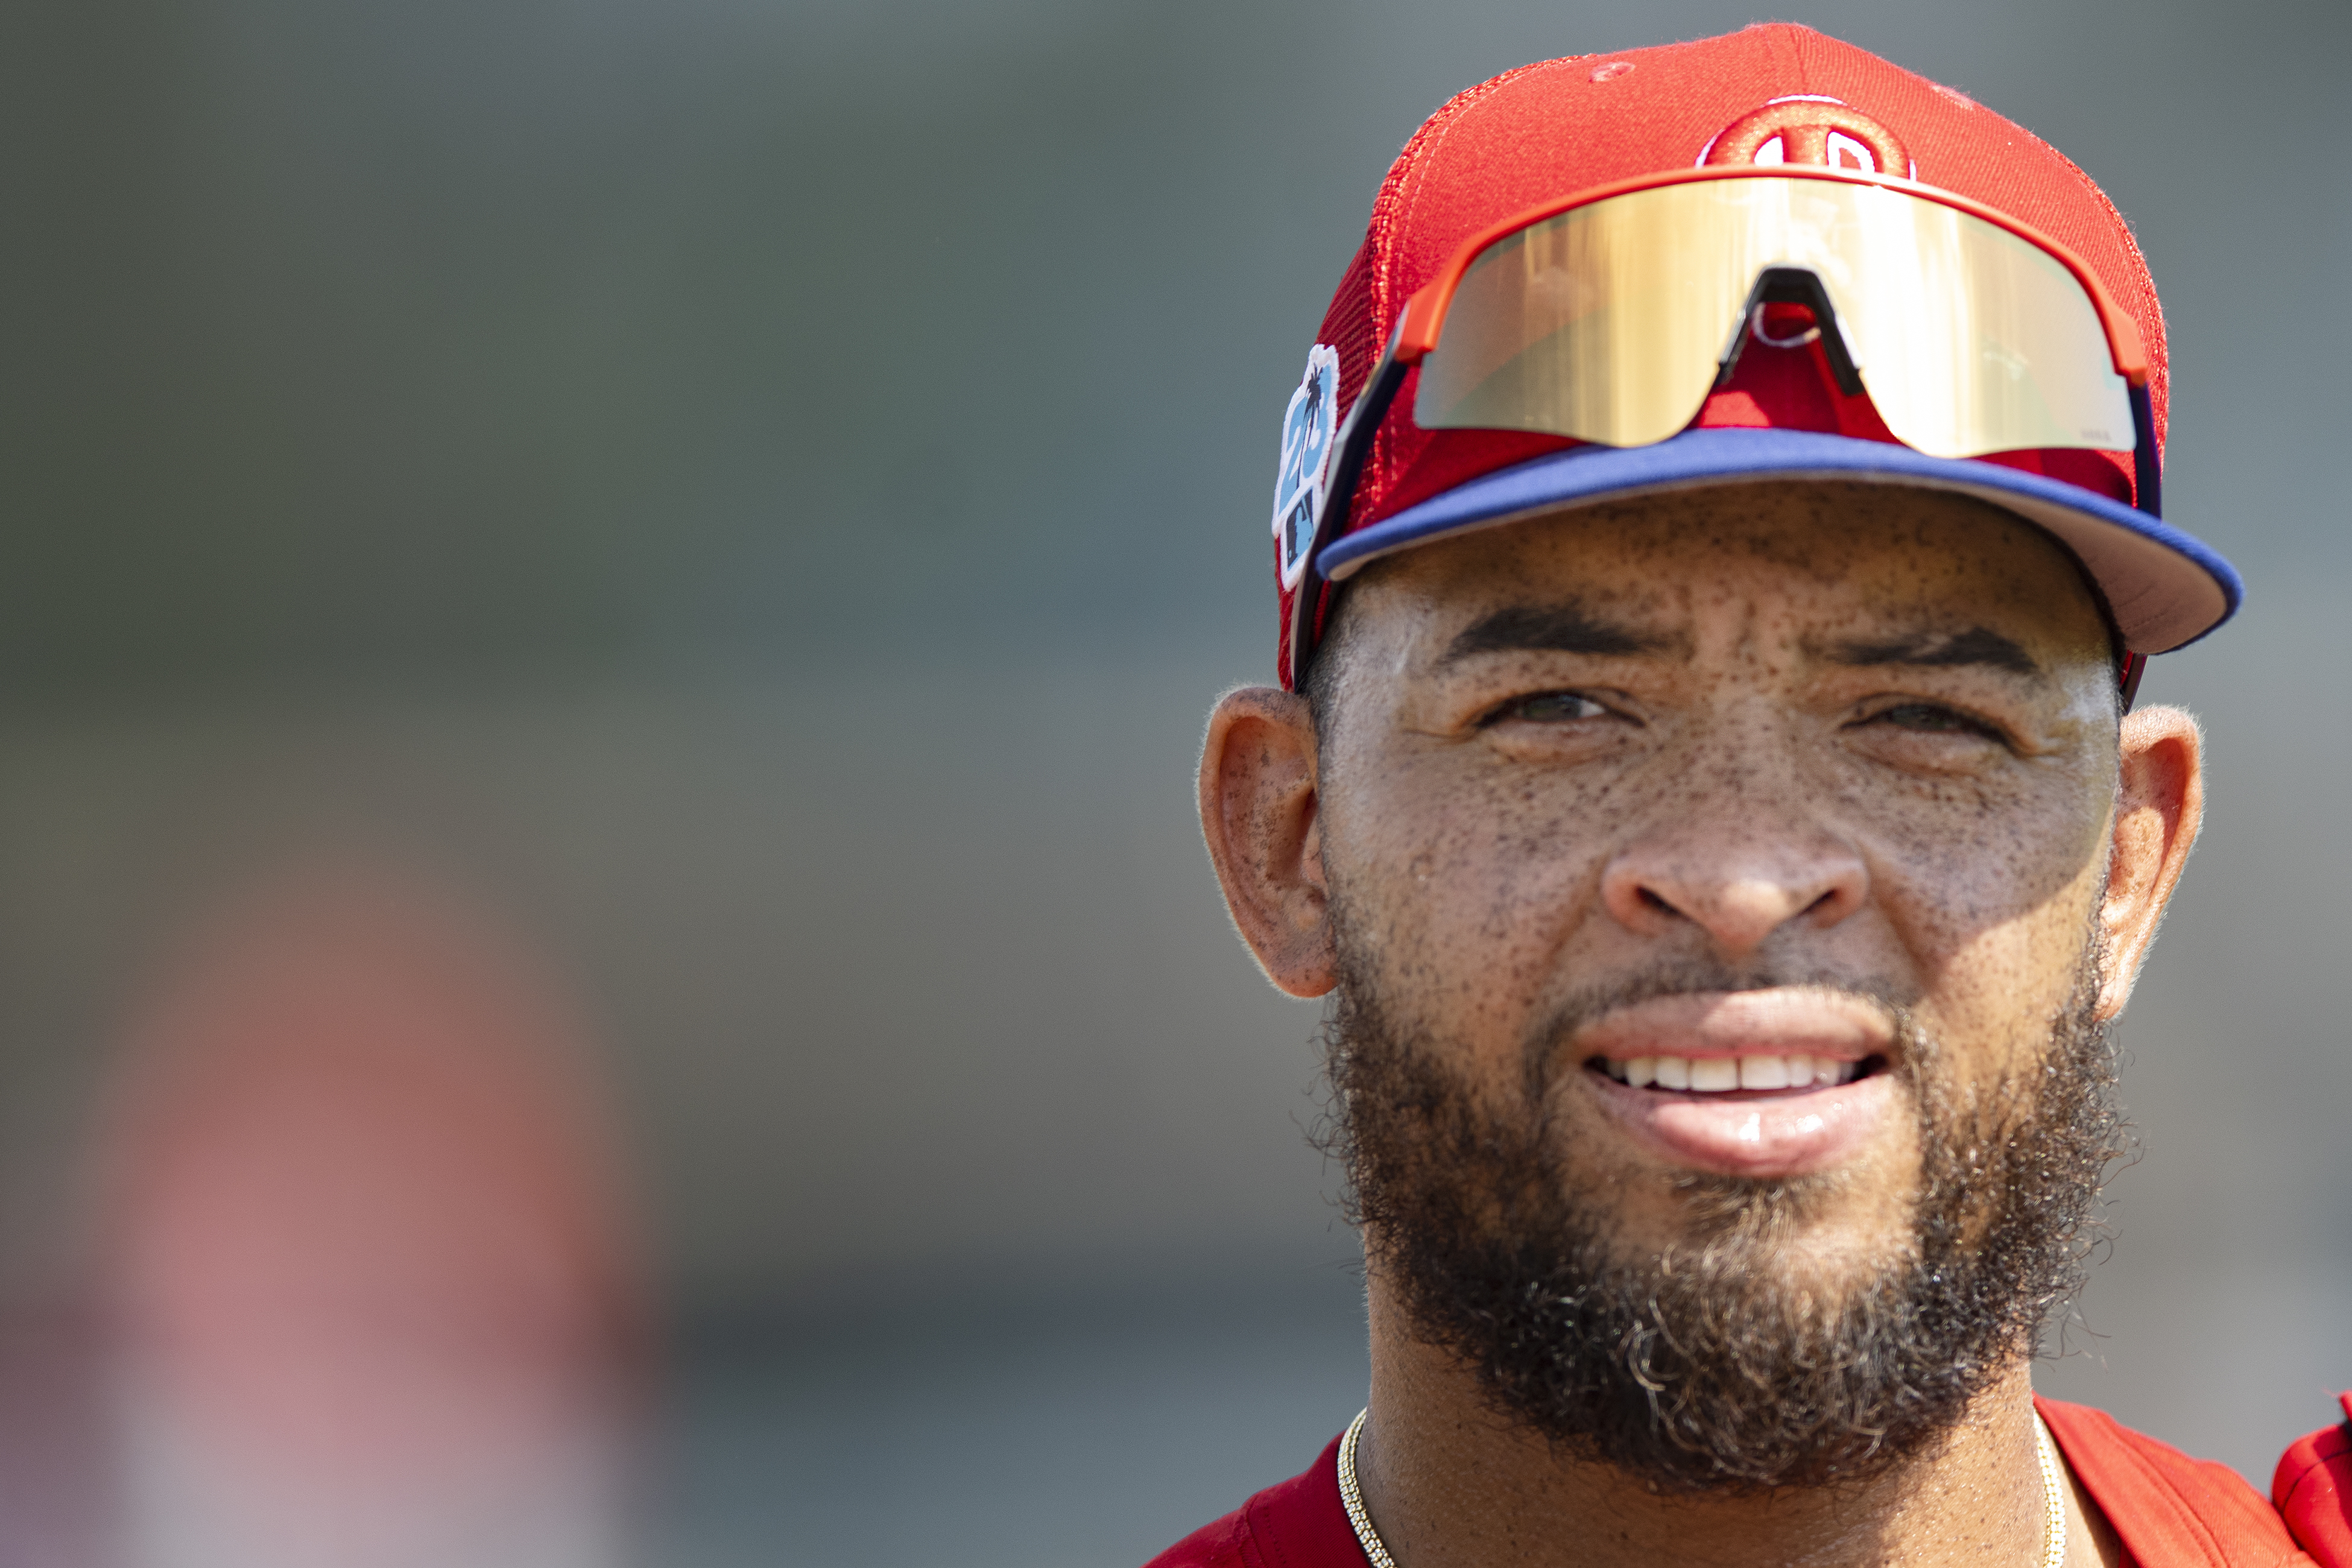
<point x="1792" y="285"/>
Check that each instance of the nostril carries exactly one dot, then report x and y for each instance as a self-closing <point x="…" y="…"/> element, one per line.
<point x="1650" y="900"/>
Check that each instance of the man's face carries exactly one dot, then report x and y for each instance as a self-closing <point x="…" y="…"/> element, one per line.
<point x="1713" y="884"/>
<point x="1796" y="738"/>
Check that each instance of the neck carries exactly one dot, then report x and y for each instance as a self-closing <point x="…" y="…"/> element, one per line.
<point x="1449" y="1484"/>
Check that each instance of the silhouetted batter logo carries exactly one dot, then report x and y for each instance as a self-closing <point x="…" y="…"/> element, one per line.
<point x="1811" y="130"/>
<point x="1300" y="484"/>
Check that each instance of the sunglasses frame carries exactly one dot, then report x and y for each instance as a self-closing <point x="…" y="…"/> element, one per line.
<point x="1422" y="320"/>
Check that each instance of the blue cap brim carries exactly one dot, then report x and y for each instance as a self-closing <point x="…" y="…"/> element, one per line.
<point x="2164" y="588"/>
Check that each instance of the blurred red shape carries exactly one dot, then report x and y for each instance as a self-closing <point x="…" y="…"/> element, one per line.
<point x="369" y="1290"/>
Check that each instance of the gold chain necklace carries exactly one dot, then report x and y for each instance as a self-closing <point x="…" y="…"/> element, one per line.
<point x="2053" y="1498"/>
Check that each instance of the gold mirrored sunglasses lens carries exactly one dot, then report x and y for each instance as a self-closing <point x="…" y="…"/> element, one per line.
<point x="1972" y="339"/>
<point x="1608" y="322"/>
<point x="1604" y="323"/>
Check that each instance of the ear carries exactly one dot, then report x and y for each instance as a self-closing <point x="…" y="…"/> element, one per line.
<point x="1258" y="814"/>
<point x="2159" y="804"/>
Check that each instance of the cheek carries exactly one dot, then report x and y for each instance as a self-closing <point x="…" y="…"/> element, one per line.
<point x="1994" y="910"/>
<point x="1466" y="883"/>
<point x="1953" y="859"/>
<point x="1999" y="996"/>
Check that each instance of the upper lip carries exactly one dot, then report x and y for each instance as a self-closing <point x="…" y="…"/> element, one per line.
<point x="1783" y="1021"/>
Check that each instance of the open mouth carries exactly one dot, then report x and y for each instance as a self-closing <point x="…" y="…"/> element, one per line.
<point x="1726" y="1074"/>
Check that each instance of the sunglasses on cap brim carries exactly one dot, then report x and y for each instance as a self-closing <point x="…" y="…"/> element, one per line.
<point x="1609" y="317"/>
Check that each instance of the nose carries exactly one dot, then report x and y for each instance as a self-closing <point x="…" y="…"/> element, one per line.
<point x="1738" y="882"/>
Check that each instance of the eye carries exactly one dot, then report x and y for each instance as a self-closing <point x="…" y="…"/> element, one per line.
<point x="1932" y="718"/>
<point x="1549" y="708"/>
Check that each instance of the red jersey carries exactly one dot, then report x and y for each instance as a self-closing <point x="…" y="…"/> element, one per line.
<point x="2313" y="1492"/>
<point x="2170" y="1511"/>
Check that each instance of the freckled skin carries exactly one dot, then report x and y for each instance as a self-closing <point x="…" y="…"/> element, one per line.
<point x="1744" y="786"/>
<point x="1730" y="775"/>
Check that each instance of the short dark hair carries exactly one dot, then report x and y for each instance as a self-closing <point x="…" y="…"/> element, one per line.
<point x="1321" y="685"/>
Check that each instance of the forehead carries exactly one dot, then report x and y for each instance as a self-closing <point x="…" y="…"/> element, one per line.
<point x="1802" y="557"/>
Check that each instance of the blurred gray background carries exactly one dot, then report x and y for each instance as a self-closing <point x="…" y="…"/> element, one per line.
<point x="765" y="491"/>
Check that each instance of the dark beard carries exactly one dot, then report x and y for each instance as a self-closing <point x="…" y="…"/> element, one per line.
<point x="1709" y="1367"/>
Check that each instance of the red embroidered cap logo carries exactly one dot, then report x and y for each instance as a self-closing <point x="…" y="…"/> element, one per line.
<point x="1810" y="129"/>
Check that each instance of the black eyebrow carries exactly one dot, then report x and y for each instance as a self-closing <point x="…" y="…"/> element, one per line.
<point x="1548" y="629"/>
<point x="1939" y="650"/>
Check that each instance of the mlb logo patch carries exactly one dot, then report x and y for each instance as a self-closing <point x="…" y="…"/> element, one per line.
<point x="1301" y="482"/>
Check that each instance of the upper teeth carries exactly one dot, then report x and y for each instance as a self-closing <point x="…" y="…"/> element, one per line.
<point x="1715" y="1074"/>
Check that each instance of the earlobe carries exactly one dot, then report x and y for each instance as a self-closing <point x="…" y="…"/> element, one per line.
<point x="1259" y="815"/>
<point x="2159" y="806"/>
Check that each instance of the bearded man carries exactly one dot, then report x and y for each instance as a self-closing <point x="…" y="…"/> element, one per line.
<point x="1706" y="778"/>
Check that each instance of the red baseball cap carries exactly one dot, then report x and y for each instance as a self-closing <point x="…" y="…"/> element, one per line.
<point x="1774" y="93"/>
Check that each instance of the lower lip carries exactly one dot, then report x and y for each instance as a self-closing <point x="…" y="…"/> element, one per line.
<point x="1761" y="1133"/>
